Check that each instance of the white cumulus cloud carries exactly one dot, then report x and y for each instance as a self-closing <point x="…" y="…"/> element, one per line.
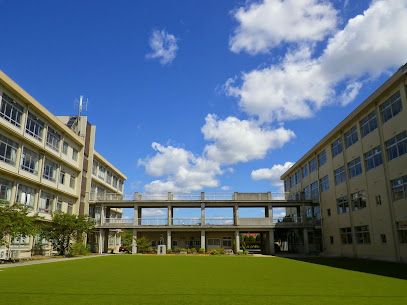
<point x="264" y="25"/>
<point x="163" y="46"/>
<point x="272" y="174"/>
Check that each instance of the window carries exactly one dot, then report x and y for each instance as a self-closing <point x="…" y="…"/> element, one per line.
<point x="297" y="176"/>
<point x="20" y="241"/>
<point x="346" y="235"/>
<point x="65" y="148"/>
<point x="403" y="236"/>
<point x="354" y="168"/>
<point x="339" y="175"/>
<point x="321" y="158"/>
<point x="5" y="189"/>
<point x="46" y="201"/>
<point x="95" y="168"/>
<point x="50" y="170"/>
<point x="102" y="172"/>
<point x="362" y="234"/>
<point x="34" y="126"/>
<point x="227" y="242"/>
<point x="305" y="171"/>
<point x="331" y="240"/>
<point x="10" y="110"/>
<point x="351" y="137"/>
<point x="26" y="195"/>
<point x="399" y="188"/>
<point x="307" y="193"/>
<point x="342" y="205"/>
<point x="391" y="107"/>
<point x="358" y="200"/>
<point x="312" y="165"/>
<point x="373" y="158"/>
<point x="324" y="183"/>
<point x="69" y="209"/>
<point x="53" y="139"/>
<point x="396" y="146"/>
<point x="328" y="212"/>
<point x="59" y="206"/>
<point x="74" y="154"/>
<point x="383" y="238"/>
<point x="29" y="161"/>
<point x="336" y="147"/>
<point x="213" y="242"/>
<point x="378" y="199"/>
<point x="114" y="181"/>
<point x="8" y="150"/>
<point x="286" y="185"/>
<point x="62" y="177"/>
<point x="175" y="243"/>
<point x="119" y="185"/>
<point x="368" y="124"/>
<point x="72" y="182"/>
<point x="109" y="177"/>
<point x="314" y="190"/>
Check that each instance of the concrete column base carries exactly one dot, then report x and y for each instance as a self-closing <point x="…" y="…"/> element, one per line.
<point x="134" y="243"/>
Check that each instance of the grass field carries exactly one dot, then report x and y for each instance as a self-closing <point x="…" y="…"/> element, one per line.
<point x="127" y="279"/>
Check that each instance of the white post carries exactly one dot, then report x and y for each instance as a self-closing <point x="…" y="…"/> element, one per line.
<point x="237" y="241"/>
<point x="203" y="240"/>
<point x="101" y="242"/>
<point x="134" y="242"/>
<point x="169" y="221"/>
<point x="202" y="214"/>
<point x="236" y="215"/>
<point x="169" y="241"/>
<point x="136" y="216"/>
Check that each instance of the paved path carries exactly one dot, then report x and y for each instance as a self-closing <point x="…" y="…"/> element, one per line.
<point x="47" y="261"/>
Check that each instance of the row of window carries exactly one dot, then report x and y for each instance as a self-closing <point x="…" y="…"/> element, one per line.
<point x="100" y="171"/>
<point x="26" y="196"/>
<point x="362" y="235"/>
<point x="11" y="111"/>
<point x="395" y="147"/>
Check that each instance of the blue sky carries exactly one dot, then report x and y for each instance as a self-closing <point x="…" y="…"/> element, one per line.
<point x="229" y="91"/>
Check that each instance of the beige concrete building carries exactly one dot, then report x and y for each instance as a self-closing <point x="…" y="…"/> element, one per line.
<point x="46" y="162"/>
<point x="358" y="173"/>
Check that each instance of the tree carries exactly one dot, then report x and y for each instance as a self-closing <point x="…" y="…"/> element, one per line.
<point x="127" y="239"/>
<point x="143" y="244"/>
<point x="15" y="222"/>
<point x="65" y="228"/>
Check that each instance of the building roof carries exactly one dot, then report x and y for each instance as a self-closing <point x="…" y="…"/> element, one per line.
<point x="397" y="76"/>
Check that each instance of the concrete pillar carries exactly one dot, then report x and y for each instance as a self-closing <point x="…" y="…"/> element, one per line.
<point x="303" y="214"/>
<point x="169" y="221"/>
<point x="134" y="242"/>
<point x="236" y="215"/>
<point x="203" y="240"/>
<point x="237" y="241"/>
<point x="202" y="195"/>
<point x="202" y="214"/>
<point x="106" y="241"/>
<point x="136" y="216"/>
<point x="271" y="242"/>
<point x="102" y="214"/>
<point x="269" y="210"/>
<point x="169" y="240"/>
<point x="101" y="242"/>
<point x="306" y="244"/>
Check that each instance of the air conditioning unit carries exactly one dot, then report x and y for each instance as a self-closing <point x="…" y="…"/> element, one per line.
<point x="3" y="254"/>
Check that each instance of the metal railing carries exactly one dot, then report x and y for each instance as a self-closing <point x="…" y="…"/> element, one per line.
<point x="119" y="220"/>
<point x="186" y="221"/>
<point x="287" y="219"/>
<point x="219" y="221"/>
<point x="153" y="222"/>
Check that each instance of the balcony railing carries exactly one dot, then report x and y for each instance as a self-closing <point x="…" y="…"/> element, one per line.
<point x="219" y="221"/>
<point x="119" y="220"/>
<point x="287" y="219"/>
<point x="186" y="221"/>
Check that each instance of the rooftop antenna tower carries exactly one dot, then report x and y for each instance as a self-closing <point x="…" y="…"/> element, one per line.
<point x="74" y="121"/>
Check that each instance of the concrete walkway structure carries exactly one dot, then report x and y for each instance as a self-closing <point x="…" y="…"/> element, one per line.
<point x="298" y="232"/>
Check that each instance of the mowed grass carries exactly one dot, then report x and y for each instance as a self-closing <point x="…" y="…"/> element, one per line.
<point x="137" y="279"/>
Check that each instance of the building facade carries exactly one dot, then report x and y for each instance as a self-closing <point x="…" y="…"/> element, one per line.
<point x="45" y="161"/>
<point x="358" y="174"/>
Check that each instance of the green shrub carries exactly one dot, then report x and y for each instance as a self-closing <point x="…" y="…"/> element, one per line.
<point x="201" y="250"/>
<point x="191" y="250"/>
<point x="183" y="250"/>
<point x="78" y="249"/>
<point x="143" y="245"/>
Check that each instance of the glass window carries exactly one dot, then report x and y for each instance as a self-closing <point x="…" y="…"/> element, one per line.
<point x="368" y="124"/>
<point x="62" y="177"/>
<point x="358" y="200"/>
<point x="314" y="190"/>
<point x="321" y="158"/>
<point x="29" y="161"/>
<point x="10" y="110"/>
<point x="8" y="150"/>
<point x="391" y="107"/>
<point x="59" y="206"/>
<point x="95" y="168"/>
<point x="114" y="181"/>
<point x="26" y="195"/>
<point x="119" y="185"/>
<point x="336" y="147"/>
<point x="362" y="234"/>
<point x="70" y="208"/>
<point x="227" y="242"/>
<point x="50" y="170"/>
<point x="65" y="148"/>
<point x="213" y="242"/>
<point x="109" y="177"/>
<point x="399" y="188"/>
<point x="74" y="154"/>
<point x="21" y="240"/>
<point x="297" y="176"/>
<point x="396" y="146"/>
<point x="354" y="168"/>
<point x="312" y="165"/>
<point x="5" y="189"/>
<point x="46" y="201"/>
<point x="346" y="235"/>
<point x="342" y="205"/>
<point x="307" y="192"/>
<point x="339" y="175"/>
<point x="34" y="126"/>
<point x="324" y="183"/>
<point x="373" y="158"/>
<point x="403" y="236"/>
<point x="305" y="170"/>
<point x="102" y="172"/>
<point x="53" y="139"/>
<point x="351" y="137"/>
<point x="72" y="182"/>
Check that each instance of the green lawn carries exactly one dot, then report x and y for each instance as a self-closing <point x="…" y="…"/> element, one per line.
<point x="127" y="279"/>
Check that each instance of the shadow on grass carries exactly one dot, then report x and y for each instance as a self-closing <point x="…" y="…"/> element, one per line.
<point x="390" y="269"/>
